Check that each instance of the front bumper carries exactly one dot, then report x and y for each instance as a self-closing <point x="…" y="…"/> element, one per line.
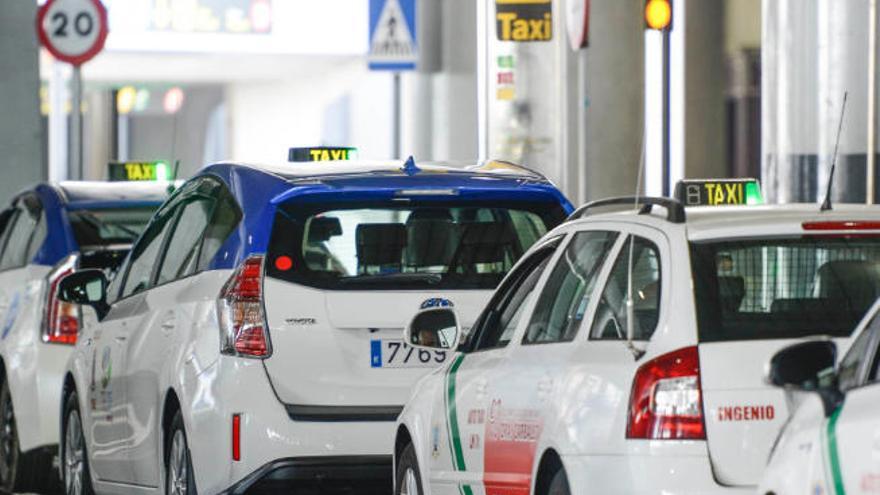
<point x="319" y="475"/>
<point x="645" y="474"/>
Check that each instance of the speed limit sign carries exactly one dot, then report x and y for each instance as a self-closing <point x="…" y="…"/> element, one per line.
<point x="73" y="31"/>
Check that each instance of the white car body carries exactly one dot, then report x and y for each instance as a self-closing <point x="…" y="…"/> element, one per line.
<point x="312" y="407"/>
<point x="501" y="420"/>
<point x="33" y="365"/>
<point x="839" y="452"/>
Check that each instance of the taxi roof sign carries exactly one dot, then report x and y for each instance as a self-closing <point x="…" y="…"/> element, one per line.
<point x="321" y="154"/>
<point x="718" y="192"/>
<point x="159" y="170"/>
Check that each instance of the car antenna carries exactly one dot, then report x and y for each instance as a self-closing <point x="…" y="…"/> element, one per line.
<point x="826" y="205"/>
<point x="630" y="310"/>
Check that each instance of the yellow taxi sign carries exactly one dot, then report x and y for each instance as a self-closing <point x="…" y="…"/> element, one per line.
<point x="719" y="192"/>
<point x="321" y="154"/>
<point x="140" y="171"/>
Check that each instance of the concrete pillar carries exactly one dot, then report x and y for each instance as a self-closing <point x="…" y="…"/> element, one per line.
<point x="21" y="154"/>
<point x="704" y="117"/>
<point x="813" y="51"/>
<point x="612" y="74"/>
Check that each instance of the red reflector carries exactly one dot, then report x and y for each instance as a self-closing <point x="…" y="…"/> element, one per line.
<point x="283" y="263"/>
<point x="842" y="225"/>
<point x="236" y="437"/>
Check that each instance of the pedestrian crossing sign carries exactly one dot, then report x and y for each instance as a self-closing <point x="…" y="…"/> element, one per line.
<point x="393" y="35"/>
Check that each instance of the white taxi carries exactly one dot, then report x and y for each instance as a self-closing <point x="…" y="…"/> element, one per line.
<point x="625" y="352"/>
<point x="831" y="444"/>
<point x="47" y="232"/>
<point x="252" y="339"/>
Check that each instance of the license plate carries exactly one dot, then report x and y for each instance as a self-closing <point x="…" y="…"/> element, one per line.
<point x="398" y="354"/>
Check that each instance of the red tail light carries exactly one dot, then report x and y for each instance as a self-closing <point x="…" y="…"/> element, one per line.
<point x="666" y="402"/>
<point x="242" y="319"/>
<point x="62" y="319"/>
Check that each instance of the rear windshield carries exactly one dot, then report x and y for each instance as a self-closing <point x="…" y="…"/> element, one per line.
<point x="784" y="288"/>
<point x="105" y="236"/>
<point x="414" y="246"/>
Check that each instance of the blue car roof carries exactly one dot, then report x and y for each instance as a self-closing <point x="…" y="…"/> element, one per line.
<point x="260" y="188"/>
<point x="86" y="195"/>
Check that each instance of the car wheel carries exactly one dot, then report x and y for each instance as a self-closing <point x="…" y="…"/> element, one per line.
<point x="74" y="460"/>
<point x="9" y="453"/>
<point x="409" y="479"/>
<point x="179" y="476"/>
<point x="559" y="484"/>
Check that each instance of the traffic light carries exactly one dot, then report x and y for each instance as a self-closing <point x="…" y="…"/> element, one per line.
<point x="658" y="15"/>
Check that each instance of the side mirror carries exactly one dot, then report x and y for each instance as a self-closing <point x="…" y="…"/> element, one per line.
<point x="85" y="287"/>
<point x="433" y="328"/>
<point x="809" y="367"/>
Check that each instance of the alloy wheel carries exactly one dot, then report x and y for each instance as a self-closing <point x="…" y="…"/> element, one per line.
<point x="410" y="485"/>
<point x="178" y="472"/>
<point x="74" y="455"/>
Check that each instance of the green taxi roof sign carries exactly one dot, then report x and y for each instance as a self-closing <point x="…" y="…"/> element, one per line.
<point x="321" y="154"/>
<point x="718" y="192"/>
<point x="159" y="170"/>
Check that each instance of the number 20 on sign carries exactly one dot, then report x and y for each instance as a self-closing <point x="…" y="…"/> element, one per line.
<point x="73" y="31"/>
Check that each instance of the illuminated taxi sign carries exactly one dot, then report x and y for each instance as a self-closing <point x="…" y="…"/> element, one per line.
<point x="140" y="171"/>
<point x="719" y="192"/>
<point x="321" y="154"/>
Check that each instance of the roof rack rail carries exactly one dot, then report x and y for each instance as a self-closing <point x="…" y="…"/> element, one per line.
<point x="674" y="208"/>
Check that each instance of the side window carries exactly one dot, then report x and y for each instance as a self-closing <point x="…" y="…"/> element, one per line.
<point x="503" y="314"/>
<point x="145" y="254"/>
<point x="225" y="219"/>
<point x="566" y="295"/>
<point x="852" y="365"/>
<point x="183" y="248"/>
<point x="20" y="234"/>
<point x="610" y="322"/>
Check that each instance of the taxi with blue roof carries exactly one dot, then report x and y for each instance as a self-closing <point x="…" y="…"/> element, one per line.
<point x="46" y="233"/>
<point x="252" y="340"/>
<point x="625" y="352"/>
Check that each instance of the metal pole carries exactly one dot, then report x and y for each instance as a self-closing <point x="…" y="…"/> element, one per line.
<point x="872" y="101"/>
<point x="666" y="171"/>
<point x="75" y="162"/>
<point x="396" y="117"/>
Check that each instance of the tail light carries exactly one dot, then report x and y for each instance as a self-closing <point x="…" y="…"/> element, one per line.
<point x="666" y="402"/>
<point x="61" y="320"/>
<point x="242" y="319"/>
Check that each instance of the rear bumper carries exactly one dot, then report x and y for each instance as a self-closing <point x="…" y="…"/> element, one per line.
<point x="645" y="474"/>
<point x="276" y="449"/>
<point x="306" y="475"/>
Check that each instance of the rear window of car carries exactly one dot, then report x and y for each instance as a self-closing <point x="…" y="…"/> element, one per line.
<point x="105" y="236"/>
<point x="420" y="245"/>
<point x="784" y="287"/>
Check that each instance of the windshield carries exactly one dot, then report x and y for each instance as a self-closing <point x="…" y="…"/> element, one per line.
<point x="105" y="236"/>
<point x="467" y="246"/>
<point x="101" y="228"/>
<point x="784" y="288"/>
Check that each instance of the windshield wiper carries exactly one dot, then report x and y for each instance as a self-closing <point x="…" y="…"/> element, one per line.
<point x="431" y="278"/>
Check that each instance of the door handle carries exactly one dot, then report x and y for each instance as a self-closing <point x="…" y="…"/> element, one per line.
<point x="120" y="339"/>
<point x="545" y="386"/>
<point x="169" y="322"/>
<point x="87" y="342"/>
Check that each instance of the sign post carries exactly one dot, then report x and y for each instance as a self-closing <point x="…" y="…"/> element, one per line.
<point x="73" y="31"/>
<point x="393" y="47"/>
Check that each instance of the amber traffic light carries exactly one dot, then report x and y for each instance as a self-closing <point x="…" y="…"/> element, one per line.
<point x="658" y="14"/>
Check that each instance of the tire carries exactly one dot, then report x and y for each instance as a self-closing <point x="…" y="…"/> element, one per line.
<point x="179" y="476"/>
<point x="559" y="484"/>
<point x="75" y="474"/>
<point x="409" y="478"/>
<point x="10" y="455"/>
